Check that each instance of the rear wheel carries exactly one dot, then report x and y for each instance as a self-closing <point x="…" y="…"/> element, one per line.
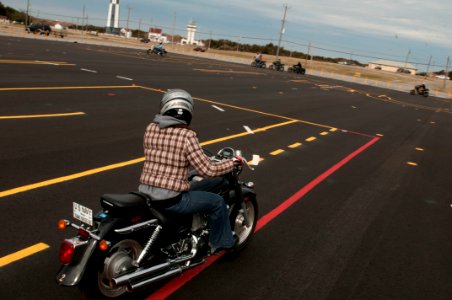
<point x="98" y="284"/>
<point x="245" y="232"/>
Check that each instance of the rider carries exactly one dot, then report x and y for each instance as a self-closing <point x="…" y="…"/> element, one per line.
<point x="277" y="63"/>
<point x="159" y="47"/>
<point x="258" y="57"/>
<point x="420" y="88"/>
<point x="170" y="148"/>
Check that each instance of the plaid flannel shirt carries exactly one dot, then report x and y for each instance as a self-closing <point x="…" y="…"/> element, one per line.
<point x="168" y="154"/>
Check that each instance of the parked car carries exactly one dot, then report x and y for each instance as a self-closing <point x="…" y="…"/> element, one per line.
<point x="39" y="28"/>
<point x="442" y="77"/>
<point x="402" y="70"/>
<point x="200" y="49"/>
<point x="145" y="40"/>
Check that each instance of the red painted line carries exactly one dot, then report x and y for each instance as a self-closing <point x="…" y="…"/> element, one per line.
<point x="307" y="188"/>
<point x="172" y="286"/>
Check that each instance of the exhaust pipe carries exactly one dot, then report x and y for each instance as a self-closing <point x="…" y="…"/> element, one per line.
<point x="127" y="278"/>
<point x="145" y="282"/>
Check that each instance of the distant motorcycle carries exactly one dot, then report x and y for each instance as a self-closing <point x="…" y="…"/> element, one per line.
<point x="259" y="64"/>
<point x="297" y="69"/>
<point x="421" y="90"/>
<point x="158" y="51"/>
<point x="278" y="66"/>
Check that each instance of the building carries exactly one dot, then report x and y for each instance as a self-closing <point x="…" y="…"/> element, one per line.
<point x="155" y="35"/>
<point x="113" y="17"/>
<point x="392" y="66"/>
<point x="190" y="40"/>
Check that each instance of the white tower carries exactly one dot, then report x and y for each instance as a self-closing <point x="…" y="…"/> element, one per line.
<point x="191" y="29"/>
<point x="113" y="16"/>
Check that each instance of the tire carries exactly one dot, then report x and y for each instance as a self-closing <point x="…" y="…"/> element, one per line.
<point x="149" y="52"/>
<point x="237" y="220"/>
<point x="96" y="283"/>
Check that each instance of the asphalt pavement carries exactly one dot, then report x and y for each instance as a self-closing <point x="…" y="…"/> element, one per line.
<point x="354" y="185"/>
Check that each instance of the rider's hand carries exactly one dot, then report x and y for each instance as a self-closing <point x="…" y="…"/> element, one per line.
<point x="238" y="161"/>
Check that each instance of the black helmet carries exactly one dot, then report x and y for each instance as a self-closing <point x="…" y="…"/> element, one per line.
<point x="177" y="103"/>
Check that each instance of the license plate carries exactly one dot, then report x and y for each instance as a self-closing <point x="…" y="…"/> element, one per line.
<point x="83" y="214"/>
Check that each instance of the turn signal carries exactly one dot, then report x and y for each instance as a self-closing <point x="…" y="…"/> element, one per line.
<point x="103" y="245"/>
<point x="62" y="224"/>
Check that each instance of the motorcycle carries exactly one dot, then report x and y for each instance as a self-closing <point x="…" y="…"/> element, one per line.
<point x="420" y="90"/>
<point x="259" y="64"/>
<point x="131" y="244"/>
<point x="277" y="66"/>
<point x="297" y="69"/>
<point x="158" y="51"/>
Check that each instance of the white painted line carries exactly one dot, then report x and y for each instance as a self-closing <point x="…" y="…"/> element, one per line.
<point x="216" y="107"/>
<point x="248" y="129"/>
<point x="125" y="78"/>
<point x="88" y="70"/>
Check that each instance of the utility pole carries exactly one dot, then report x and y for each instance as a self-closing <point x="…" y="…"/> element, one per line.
<point x="281" y="32"/>
<point x="406" y="59"/>
<point x="26" y="18"/>
<point x="447" y="71"/>
<point x="174" y="26"/>
<point x="308" y="55"/>
<point x="128" y="16"/>
<point x="428" y="66"/>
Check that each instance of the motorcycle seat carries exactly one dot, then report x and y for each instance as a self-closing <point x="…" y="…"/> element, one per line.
<point x="124" y="201"/>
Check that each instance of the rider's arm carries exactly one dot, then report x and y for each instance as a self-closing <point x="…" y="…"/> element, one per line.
<point x="202" y="163"/>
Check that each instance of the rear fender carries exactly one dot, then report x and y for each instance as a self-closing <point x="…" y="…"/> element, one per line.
<point x="70" y="275"/>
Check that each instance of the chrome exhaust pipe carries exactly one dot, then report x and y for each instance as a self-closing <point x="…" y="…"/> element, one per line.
<point x="145" y="282"/>
<point x="127" y="278"/>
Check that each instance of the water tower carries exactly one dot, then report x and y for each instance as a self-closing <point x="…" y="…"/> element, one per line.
<point x="113" y="17"/>
<point x="191" y="30"/>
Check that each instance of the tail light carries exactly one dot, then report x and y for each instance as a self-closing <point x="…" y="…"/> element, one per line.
<point x="66" y="253"/>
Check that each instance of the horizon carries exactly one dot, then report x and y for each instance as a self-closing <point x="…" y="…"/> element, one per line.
<point x="357" y="30"/>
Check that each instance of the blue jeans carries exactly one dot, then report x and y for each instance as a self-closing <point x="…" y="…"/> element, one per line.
<point x="212" y="204"/>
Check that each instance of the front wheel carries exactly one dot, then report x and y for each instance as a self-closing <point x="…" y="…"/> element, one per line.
<point x="244" y="232"/>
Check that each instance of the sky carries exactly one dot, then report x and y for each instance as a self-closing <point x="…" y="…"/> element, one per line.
<point x="413" y="31"/>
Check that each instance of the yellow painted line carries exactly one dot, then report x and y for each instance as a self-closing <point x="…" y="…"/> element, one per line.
<point x="69" y="177"/>
<point x="227" y="71"/>
<point x="333" y="129"/>
<point x="295" y="145"/>
<point x="276" y="152"/>
<point x="119" y="165"/>
<point x="310" y="139"/>
<point x="50" y="88"/>
<point x="246" y="133"/>
<point x="324" y="133"/>
<point x="22" y="254"/>
<point x="419" y="149"/>
<point x="411" y="163"/>
<point x="42" y="116"/>
<point x="34" y="62"/>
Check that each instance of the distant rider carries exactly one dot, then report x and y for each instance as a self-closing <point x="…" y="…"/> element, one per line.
<point x="258" y="57"/>
<point x="159" y="47"/>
